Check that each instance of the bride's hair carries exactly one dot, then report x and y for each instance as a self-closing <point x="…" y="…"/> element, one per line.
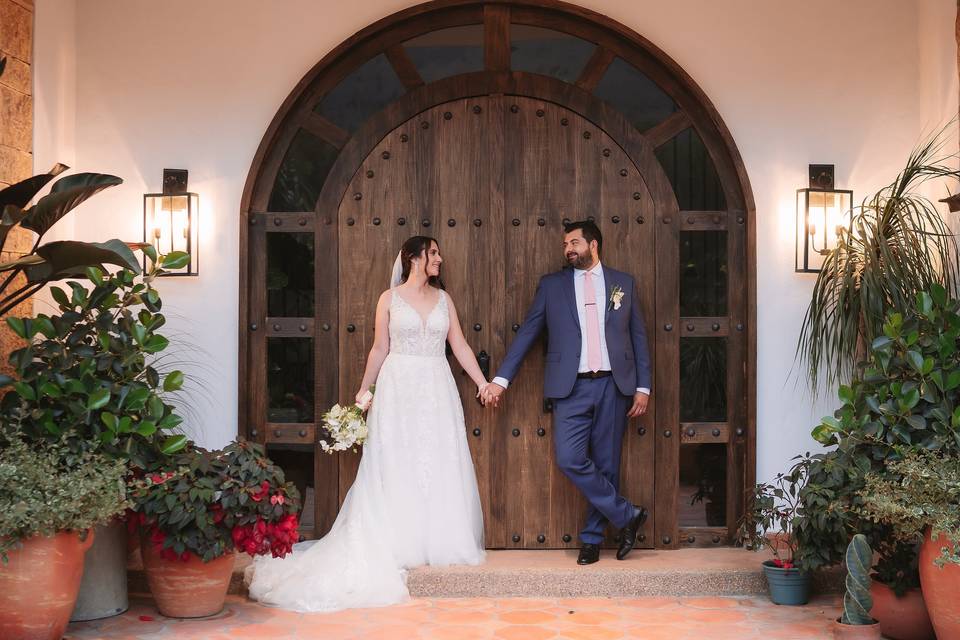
<point x="413" y="248"/>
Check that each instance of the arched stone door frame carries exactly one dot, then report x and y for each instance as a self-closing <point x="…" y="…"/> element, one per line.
<point x="613" y="40"/>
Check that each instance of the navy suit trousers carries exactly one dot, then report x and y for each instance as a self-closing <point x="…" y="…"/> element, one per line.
<point x="588" y="437"/>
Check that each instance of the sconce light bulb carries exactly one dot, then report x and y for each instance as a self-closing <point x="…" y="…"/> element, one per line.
<point x="812" y="229"/>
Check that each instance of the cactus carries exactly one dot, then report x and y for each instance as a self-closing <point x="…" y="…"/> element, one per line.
<point x="857" y="601"/>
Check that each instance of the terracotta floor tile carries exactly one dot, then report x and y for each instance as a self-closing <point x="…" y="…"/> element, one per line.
<point x="527" y="617"/>
<point x="488" y="619"/>
<point x="524" y="633"/>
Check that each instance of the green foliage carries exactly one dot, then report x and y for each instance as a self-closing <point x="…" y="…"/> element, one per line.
<point x="906" y="397"/>
<point x="44" y="489"/>
<point x="204" y="501"/>
<point x="898" y="246"/>
<point x="922" y="490"/>
<point x="86" y="372"/>
<point x="774" y="510"/>
<point x="857" y="601"/>
<point x="55" y="260"/>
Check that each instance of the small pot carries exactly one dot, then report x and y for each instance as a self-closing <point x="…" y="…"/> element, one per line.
<point x="941" y="588"/>
<point x="787" y="586"/>
<point x="187" y="589"/>
<point x="856" y="631"/>
<point x="39" y="585"/>
<point x="900" y="618"/>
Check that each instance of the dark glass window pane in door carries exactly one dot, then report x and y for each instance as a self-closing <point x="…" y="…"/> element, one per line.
<point x="703" y="273"/>
<point x="692" y="173"/>
<point x="290" y="379"/>
<point x="290" y="276"/>
<point x="703" y="379"/>
<point x="702" y="497"/>
<point x="548" y="52"/>
<point x="447" y="52"/>
<point x="369" y="88"/>
<point x="301" y="174"/>
<point x="641" y="101"/>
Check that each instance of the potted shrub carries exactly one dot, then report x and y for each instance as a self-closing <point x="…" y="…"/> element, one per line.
<point x="201" y="509"/>
<point x="920" y="497"/>
<point x="50" y="498"/>
<point x="87" y="374"/>
<point x="902" y="399"/>
<point x="770" y="523"/>
<point x="855" y="622"/>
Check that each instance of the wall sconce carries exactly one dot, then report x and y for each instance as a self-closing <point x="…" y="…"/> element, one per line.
<point x="822" y="215"/>
<point x="171" y="221"/>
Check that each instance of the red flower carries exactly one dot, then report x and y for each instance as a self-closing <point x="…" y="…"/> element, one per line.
<point x="158" y="479"/>
<point x="185" y="556"/>
<point x="276" y="499"/>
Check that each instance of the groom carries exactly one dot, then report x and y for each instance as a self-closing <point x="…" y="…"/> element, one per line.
<point x="597" y="373"/>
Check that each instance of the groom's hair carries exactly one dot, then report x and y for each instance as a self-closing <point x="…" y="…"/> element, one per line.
<point x="589" y="229"/>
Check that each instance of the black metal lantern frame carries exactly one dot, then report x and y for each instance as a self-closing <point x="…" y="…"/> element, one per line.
<point x="823" y="213"/>
<point x="171" y="221"/>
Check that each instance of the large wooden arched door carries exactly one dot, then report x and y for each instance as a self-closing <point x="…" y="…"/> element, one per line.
<point x="493" y="178"/>
<point x="485" y="123"/>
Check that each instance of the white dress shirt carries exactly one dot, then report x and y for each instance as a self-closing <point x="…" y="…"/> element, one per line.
<point x="600" y="289"/>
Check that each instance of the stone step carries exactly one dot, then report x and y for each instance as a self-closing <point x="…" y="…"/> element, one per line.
<point x="554" y="573"/>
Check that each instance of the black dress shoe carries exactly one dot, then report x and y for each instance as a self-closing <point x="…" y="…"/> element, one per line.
<point x="628" y="537"/>
<point x="589" y="553"/>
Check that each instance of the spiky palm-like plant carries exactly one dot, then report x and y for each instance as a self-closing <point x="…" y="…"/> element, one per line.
<point x="898" y="245"/>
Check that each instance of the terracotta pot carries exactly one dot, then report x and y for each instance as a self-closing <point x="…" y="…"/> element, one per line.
<point x="941" y="588"/>
<point x="856" y="631"/>
<point x="191" y="589"/>
<point x="39" y="585"/>
<point x="903" y="618"/>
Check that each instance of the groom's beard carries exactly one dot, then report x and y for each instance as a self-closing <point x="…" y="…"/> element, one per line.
<point x="579" y="260"/>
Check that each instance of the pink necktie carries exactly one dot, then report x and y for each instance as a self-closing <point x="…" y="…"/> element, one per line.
<point x="593" y="323"/>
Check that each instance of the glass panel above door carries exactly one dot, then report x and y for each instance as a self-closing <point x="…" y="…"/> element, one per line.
<point x="548" y="52"/>
<point x="690" y="169"/>
<point x="634" y="95"/>
<point x="365" y="91"/>
<point x="447" y="52"/>
<point x="301" y="174"/>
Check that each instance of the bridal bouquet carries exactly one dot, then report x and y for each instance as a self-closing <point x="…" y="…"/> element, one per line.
<point x="346" y="426"/>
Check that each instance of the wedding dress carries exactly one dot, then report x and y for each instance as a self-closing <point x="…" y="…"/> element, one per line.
<point x="415" y="499"/>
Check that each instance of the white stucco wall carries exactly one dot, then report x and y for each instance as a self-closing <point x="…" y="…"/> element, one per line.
<point x="193" y="85"/>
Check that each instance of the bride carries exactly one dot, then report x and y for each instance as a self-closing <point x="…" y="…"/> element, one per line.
<point x="415" y="499"/>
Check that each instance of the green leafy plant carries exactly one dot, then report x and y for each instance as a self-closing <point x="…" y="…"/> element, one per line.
<point x="45" y="489"/>
<point x="907" y="396"/>
<point x="53" y="261"/>
<point x="920" y="491"/>
<point x="898" y="245"/>
<point x="774" y="509"/>
<point x="857" y="601"/>
<point x="209" y="503"/>
<point x="87" y="374"/>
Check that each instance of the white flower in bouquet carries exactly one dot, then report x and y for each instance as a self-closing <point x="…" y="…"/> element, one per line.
<point x="346" y="425"/>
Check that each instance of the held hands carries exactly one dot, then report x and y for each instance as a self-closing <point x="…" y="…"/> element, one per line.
<point x="639" y="407"/>
<point x="490" y="394"/>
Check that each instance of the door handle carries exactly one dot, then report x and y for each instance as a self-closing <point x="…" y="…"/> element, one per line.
<point x="483" y="359"/>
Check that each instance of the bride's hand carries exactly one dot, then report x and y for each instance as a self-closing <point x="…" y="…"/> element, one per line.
<point x="364" y="398"/>
<point x="481" y="393"/>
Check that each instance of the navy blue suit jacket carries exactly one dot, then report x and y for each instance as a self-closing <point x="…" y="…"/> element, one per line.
<point x="555" y="309"/>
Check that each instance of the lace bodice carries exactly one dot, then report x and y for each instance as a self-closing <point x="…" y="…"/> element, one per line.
<point x="410" y="335"/>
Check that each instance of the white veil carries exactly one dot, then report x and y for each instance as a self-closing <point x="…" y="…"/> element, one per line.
<point x="397" y="273"/>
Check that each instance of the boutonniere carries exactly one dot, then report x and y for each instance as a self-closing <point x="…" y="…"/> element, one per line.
<point x="616" y="295"/>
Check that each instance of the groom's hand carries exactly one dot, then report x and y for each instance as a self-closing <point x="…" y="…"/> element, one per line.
<point x="639" y="407"/>
<point x="492" y="393"/>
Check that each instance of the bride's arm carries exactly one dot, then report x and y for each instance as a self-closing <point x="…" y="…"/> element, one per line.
<point x="461" y="350"/>
<point x="381" y="344"/>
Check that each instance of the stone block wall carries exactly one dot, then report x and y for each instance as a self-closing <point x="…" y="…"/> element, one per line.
<point x="16" y="131"/>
